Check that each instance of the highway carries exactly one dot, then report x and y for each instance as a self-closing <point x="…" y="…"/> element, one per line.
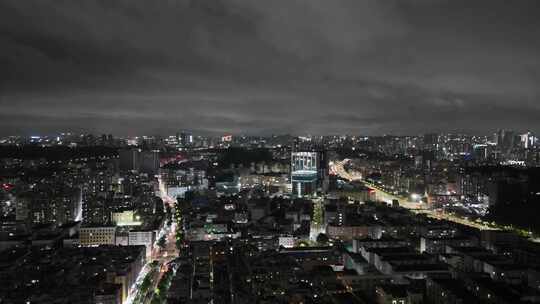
<point x="338" y="168"/>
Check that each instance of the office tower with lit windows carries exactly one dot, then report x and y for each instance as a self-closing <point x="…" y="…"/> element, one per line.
<point x="304" y="173"/>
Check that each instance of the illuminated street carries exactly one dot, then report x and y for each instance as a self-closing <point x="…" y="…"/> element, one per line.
<point x="161" y="256"/>
<point x="383" y="196"/>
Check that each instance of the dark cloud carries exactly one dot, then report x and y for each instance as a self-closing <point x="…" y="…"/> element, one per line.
<point x="299" y="66"/>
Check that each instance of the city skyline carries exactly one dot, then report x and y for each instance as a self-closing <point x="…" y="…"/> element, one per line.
<point x="299" y="67"/>
<point x="488" y="136"/>
<point x="270" y="151"/>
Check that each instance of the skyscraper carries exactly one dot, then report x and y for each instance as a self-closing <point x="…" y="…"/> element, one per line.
<point x="304" y="172"/>
<point x="431" y="141"/>
<point x="505" y="140"/>
<point x="527" y="140"/>
<point x="185" y="139"/>
<point x="129" y="159"/>
<point x="149" y="162"/>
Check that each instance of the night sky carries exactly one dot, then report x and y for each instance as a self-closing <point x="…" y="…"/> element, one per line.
<point x="269" y="66"/>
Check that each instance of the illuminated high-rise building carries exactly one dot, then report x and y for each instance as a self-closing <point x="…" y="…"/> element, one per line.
<point x="185" y="139"/>
<point x="304" y="173"/>
<point x="527" y="140"/>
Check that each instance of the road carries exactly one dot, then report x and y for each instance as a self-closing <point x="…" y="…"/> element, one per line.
<point x="380" y="194"/>
<point x="338" y="168"/>
<point x="161" y="255"/>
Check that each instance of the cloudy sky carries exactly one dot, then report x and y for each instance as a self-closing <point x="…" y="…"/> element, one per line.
<point x="268" y="67"/>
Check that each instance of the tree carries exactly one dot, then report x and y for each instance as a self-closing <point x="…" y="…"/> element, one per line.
<point x="179" y="243"/>
<point x="168" y="211"/>
<point x="160" y="295"/>
<point x="322" y="239"/>
<point x="317" y="213"/>
<point x="302" y="243"/>
<point x="162" y="242"/>
<point x="146" y="283"/>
